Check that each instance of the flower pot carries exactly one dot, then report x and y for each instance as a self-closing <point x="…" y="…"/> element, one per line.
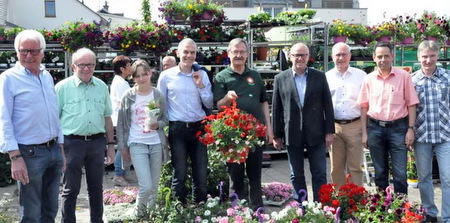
<point x="431" y="38"/>
<point x="339" y="39"/>
<point x="413" y="183"/>
<point x="207" y="16"/>
<point x="384" y="39"/>
<point x="407" y="40"/>
<point x="179" y="17"/>
<point x="361" y="42"/>
<point x="261" y="53"/>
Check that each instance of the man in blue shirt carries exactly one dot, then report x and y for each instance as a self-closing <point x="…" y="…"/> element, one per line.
<point x="186" y="90"/>
<point x="432" y="129"/>
<point x="30" y="131"/>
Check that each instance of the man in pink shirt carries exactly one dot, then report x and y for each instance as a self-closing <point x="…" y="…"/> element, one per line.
<point x="388" y="113"/>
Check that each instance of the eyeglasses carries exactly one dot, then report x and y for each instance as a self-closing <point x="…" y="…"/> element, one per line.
<point x="236" y="52"/>
<point x="298" y="55"/>
<point x="84" y="65"/>
<point x="33" y="52"/>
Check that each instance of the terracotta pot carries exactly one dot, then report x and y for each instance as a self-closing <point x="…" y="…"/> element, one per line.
<point x="339" y="39"/>
<point x="384" y="39"/>
<point x="261" y="53"/>
<point x="407" y="40"/>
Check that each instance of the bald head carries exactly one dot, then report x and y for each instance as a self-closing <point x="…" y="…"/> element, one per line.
<point x="341" y="57"/>
<point x="168" y="62"/>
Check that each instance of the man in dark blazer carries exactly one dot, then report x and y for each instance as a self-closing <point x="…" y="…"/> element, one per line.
<point x="302" y="115"/>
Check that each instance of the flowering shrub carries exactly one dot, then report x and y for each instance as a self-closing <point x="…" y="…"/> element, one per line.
<point x="385" y="207"/>
<point x="233" y="132"/>
<point x="79" y="34"/>
<point x="350" y="197"/>
<point x="277" y="191"/>
<point x="116" y="195"/>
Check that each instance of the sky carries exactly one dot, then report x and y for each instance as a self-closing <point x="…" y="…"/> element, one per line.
<point x="378" y="10"/>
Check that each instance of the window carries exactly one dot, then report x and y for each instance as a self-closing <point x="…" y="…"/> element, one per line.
<point x="272" y="10"/>
<point x="50" y="9"/>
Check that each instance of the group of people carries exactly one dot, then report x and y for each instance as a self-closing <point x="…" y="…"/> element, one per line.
<point x="48" y="130"/>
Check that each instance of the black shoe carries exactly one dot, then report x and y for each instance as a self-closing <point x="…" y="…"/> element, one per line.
<point x="430" y="218"/>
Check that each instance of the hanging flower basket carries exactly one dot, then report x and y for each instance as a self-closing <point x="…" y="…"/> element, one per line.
<point x="407" y="41"/>
<point x="384" y="39"/>
<point x="431" y="38"/>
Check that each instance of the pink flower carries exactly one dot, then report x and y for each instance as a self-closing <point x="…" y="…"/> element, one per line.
<point x="230" y="211"/>
<point x="239" y="219"/>
<point x="198" y="219"/>
<point x="223" y="220"/>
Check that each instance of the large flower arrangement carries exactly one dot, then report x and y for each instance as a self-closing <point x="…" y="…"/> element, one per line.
<point x="276" y="191"/>
<point x="388" y="207"/>
<point x="233" y="132"/>
<point x="406" y="27"/>
<point x="362" y="34"/>
<point x="340" y="28"/>
<point x="174" y="10"/>
<point x="193" y="11"/>
<point x="79" y="34"/>
<point x="384" y="29"/>
<point x="148" y="37"/>
<point x="350" y="198"/>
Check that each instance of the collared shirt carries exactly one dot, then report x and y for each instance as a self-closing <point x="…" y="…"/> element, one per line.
<point x="29" y="108"/>
<point x="300" y="83"/>
<point x="184" y="98"/>
<point x="388" y="98"/>
<point x="344" y="89"/>
<point x="83" y="107"/>
<point x="433" y="112"/>
<point x="249" y="87"/>
<point x="118" y="88"/>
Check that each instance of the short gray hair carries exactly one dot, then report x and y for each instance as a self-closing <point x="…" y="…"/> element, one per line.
<point x="29" y="34"/>
<point x="187" y="41"/>
<point x="81" y="52"/>
<point x="235" y="42"/>
<point x="428" y="45"/>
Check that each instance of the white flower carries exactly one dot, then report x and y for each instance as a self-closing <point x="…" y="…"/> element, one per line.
<point x="207" y="213"/>
<point x="304" y="203"/>
<point x="247" y="142"/>
<point x="390" y="211"/>
<point x="205" y="221"/>
<point x="217" y="142"/>
<point x="316" y="211"/>
<point x="211" y="204"/>
<point x="236" y="141"/>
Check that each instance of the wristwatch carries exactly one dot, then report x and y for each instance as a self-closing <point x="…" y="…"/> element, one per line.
<point x="411" y="127"/>
<point x="12" y="158"/>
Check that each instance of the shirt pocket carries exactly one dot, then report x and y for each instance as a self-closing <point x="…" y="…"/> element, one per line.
<point x="72" y="107"/>
<point x="396" y="98"/>
<point x="99" y="105"/>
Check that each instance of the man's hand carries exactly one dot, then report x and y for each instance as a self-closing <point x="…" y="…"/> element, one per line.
<point x="231" y="96"/>
<point x="269" y="137"/>
<point x="364" y="140"/>
<point x="64" y="157"/>
<point x="409" y="138"/>
<point x="277" y="143"/>
<point x="329" y="139"/>
<point x="110" y="155"/>
<point x="197" y="78"/>
<point x="154" y="126"/>
<point x="126" y="154"/>
<point x="19" y="169"/>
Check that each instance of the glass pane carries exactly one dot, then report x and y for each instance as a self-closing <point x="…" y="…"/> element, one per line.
<point x="50" y="10"/>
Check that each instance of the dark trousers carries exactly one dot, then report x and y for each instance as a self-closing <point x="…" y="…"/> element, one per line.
<point x="184" y="143"/>
<point x="317" y="156"/>
<point x="91" y="155"/>
<point x="384" y="142"/>
<point x="252" y="167"/>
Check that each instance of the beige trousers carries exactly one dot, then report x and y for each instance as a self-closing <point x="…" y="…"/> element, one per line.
<point x="346" y="154"/>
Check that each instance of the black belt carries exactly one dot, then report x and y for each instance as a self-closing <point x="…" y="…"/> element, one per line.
<point x="187" y="124"/>
<point x="388" y="123"/>
<point x="46" y="144"/>
<point x="87" y="137"/>
<point x="343" y="122"/>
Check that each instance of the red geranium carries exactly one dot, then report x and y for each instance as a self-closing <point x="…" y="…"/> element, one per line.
<point x="233" y="132"/>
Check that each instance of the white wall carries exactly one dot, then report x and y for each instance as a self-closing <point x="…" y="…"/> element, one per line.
<point x="31" y="13"/>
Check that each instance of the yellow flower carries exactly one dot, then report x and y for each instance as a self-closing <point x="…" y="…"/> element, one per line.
<point x="190" y="6"/>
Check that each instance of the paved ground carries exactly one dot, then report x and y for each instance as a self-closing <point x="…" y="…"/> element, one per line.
<point x="278" y="171"/>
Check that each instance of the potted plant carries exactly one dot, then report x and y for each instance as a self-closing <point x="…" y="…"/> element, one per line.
<point x="360" y="34"/>
<point x="260" y="36"/>
<point x="383" y="31"/>
<point x="2" y="34"/>
<point x="431" y="26"/>
<point x="173" y="10"/>
<point x="339" y="30"/>
<point x="406" y="30"/>
<point x="79" y="34"/>
<point x="276" y="193"/>
<point x="411" y="170"/>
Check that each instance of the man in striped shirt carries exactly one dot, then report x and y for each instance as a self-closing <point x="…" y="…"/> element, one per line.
<point x="432" y="128"/>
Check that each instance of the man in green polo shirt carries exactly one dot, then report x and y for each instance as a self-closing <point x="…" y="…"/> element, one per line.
<point x="245" y="86"/>
<point x="85" y="112"/>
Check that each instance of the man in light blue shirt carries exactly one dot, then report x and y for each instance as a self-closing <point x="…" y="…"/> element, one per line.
<point x="30" y="130"/>
<point x="186" y="90"/>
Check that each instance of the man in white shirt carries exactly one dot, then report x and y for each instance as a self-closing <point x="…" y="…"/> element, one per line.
<point x="346" y="151"/>
<point x="122" y="69"/>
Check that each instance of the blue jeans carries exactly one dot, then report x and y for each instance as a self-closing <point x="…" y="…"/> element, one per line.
<point x="317" y="156"/>
<point x="118" y="171"/>
<point x="385" y="141"/>
<point x="147" y="164"/>
<point x="184" y="143"/>
<point x="423" y="153"/>
<point x="91" y="155"/>
<point x="39" y="198"/>
<point x="252" y="167"/>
